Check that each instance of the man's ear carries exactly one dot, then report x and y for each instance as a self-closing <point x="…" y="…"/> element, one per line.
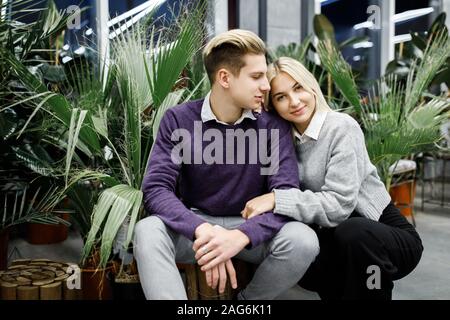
<point x="223" y="78"/>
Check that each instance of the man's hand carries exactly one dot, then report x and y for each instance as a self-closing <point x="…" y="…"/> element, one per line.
<point x="259" y="205"/>
<point x="222" y="246"/>
<point x="218" y="275"/>
<point x="205" y="230"/>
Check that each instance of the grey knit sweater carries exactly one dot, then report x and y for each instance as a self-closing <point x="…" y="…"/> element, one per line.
<point x="336" y="177"/>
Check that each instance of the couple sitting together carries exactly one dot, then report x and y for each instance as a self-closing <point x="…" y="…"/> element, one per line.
<point x="316" y="214"/>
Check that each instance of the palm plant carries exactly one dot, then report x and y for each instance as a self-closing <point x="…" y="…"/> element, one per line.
<point x="117" y="132"/>
<point x="17" y="209"/>
<point x="397" y="120"/>
<point x="412" y="51"/>
<point x="297" y="51"/>
<point x="23" y="156"/>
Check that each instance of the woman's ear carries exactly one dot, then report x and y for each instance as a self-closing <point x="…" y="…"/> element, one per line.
<point x="223" y="78"/>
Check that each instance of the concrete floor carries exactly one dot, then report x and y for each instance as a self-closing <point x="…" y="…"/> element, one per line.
<point x="430" y="279"/>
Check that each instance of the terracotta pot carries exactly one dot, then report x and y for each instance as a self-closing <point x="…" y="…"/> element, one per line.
<point x="96" y="284"/>
<point x="4" y="238"/>
<point x="38" y="233"/>
<point x="403" y="197"/>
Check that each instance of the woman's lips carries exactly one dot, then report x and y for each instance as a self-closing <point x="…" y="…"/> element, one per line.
<point x="299" y="111"/>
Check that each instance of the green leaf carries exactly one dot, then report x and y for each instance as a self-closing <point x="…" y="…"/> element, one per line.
<point x="53" y="73"/>
<point x="57" y="104"/>
<point x="323" y="28"/>
<point x="170" y="58"/>
<point x="36" y="163"/>
<point x="423" y="72"/>
<point x="418" y="41"/>
<point x="397" y="67"/>
<point x="171" y="100"/>
<point x="113" y="206"/>
<point x="341" y="72"/>
<point x="438" y="24"/>
<point x="8" y="124"/>
<point x="76" y="122"/>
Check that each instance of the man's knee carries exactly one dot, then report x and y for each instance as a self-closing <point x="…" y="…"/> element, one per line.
<point x="149" y="231"/>
<point x="299" y="241"/>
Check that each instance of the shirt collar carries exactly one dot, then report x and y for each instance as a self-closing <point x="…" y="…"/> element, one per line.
<point x="207" y="114"/>
<point x="314" y="127"/>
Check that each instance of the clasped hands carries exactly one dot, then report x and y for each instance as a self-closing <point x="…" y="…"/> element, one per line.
<point x="215" y="246"/>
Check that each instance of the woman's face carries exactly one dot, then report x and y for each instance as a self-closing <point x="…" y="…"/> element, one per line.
<point x="292" y="101"/>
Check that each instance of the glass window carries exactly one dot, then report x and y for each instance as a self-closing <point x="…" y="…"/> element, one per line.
<point x="350" y="19"/>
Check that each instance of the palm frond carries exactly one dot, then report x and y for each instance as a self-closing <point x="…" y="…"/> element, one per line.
<point x="76" y="123"/>
<point x="113" y="206"/>
<point x="171" y="100"/>
<point x="20" y="210"/>
<point x="293" y="50"/>
<point x="422" y="73"/>
<point x="36" y="163"/>
<point x="57" y="104"/>
<point x="340" y="71"/>
<point x="170" y="58"/>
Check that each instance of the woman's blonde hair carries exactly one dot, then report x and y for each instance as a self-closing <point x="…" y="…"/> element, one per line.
<point x="300" y="74"/>
<point x="228" y="49"/>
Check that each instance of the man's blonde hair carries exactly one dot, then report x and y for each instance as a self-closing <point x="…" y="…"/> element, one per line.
<point x="300" y="74"/>
<point x="227" y="49"/>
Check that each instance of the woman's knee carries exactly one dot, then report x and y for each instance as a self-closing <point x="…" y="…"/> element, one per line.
<point x="300" y="240"/>
<point x="356" y="232"/>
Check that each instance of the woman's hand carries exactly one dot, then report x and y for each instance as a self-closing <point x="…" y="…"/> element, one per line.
<point x="258" y="205"/>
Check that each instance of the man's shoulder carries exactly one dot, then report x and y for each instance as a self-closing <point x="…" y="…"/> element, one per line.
<point x="270" y="119"/>
<point x="184" y="114"/>
<point x="189" y="107"/>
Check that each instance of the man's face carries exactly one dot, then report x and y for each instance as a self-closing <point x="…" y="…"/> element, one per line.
<point x="247" y="89"/>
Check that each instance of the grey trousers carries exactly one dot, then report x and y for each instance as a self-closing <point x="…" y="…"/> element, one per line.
<point x="282" y="261"/>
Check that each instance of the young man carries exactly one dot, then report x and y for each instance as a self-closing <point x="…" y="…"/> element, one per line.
<point x="210" y="157"/>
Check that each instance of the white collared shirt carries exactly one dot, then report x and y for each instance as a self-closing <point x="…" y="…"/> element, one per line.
<point x="313" y="130"/>
<point x="207" y="114"/>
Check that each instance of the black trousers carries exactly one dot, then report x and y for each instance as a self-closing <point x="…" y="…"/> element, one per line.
<point x="357" y="251"/>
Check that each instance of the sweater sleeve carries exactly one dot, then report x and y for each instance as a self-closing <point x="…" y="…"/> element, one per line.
<point x="337" y="198"/>
<point x="283" y="174"/>
<point x="159" y="183"/>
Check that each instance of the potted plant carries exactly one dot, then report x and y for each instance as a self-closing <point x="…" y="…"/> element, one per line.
<point x="398" y="120"/>
<point x="115" y="132"/>
<point x="20" y="205"/>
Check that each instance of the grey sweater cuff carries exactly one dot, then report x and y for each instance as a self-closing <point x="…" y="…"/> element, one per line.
<point x="284" y="202"/>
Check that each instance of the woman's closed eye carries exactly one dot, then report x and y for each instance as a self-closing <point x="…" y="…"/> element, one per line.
<point x="298" y="87"/>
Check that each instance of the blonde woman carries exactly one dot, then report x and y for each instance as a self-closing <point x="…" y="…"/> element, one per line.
<point x="365" y="243"/>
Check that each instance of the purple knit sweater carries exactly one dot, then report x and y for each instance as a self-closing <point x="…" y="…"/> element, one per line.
<point x="222" y="188"/>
